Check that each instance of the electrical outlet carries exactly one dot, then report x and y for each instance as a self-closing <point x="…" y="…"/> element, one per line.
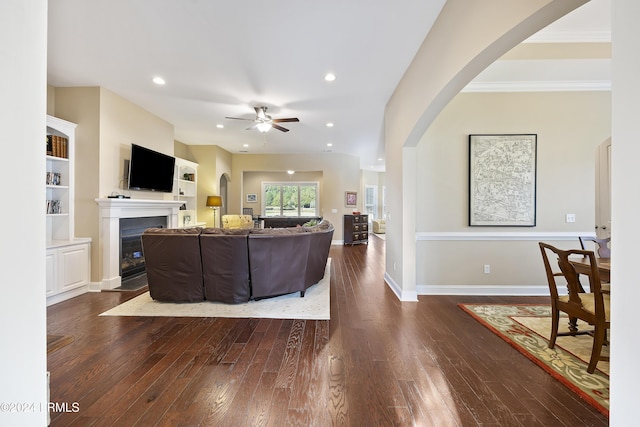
<point x="571" y="218"/>
<point x="487" y="269"/>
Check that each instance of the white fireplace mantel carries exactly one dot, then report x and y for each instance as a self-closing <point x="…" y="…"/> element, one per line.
<point x="111" y="210"/>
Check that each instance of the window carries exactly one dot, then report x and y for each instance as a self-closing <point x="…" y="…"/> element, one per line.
<point x="384" y="202"/>
<point x="371" y="201"/>
<point x="290" y="199"/>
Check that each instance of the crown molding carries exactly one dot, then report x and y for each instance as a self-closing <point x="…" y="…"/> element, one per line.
<point x="539" y="86"/>
<point x="594" y="36"/>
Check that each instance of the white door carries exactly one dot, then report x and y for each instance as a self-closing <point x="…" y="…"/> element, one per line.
<point x="603" y="190"/>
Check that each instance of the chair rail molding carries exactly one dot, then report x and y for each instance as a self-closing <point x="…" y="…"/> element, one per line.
<point x="498" y="235"/>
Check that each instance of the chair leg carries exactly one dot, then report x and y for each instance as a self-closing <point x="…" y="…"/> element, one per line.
<point x="555" y="319"/>
<point x="598" y="340"/>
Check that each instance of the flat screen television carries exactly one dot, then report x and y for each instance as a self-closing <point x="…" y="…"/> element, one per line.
<point x="150" y="170"/>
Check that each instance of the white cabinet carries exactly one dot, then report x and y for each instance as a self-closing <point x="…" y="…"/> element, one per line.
<point x="185" y="189"/>
<point x="67" y="257"/>
<point x="67" y="271"/>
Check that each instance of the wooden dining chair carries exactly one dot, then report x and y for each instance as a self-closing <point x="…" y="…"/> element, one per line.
<point x="602" y="245"/>
<point x="603" y="249"/>
<point x="592" y="308"/>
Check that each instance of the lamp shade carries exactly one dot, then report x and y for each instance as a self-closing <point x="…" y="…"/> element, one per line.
<point x="214" y="201"/>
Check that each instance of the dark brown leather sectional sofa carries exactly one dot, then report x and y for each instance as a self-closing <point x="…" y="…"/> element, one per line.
<point x="234" y="266"/>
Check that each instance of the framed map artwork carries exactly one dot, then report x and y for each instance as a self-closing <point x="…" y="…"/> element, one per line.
<point x="502" y="180"/>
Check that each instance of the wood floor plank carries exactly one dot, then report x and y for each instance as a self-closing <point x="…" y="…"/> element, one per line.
<point x="377" y="362"/>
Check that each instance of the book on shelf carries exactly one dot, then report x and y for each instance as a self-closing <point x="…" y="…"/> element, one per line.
<point x="53" y="207"/>
<point x="54" y="178"/>
<point x="57" y="146"/>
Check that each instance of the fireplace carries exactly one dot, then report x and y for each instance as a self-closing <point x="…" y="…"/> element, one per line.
<point x="131" y="254"/>
<point x="112" y="210"/>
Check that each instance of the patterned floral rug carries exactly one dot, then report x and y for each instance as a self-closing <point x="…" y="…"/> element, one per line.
<point x="527" y="328"/>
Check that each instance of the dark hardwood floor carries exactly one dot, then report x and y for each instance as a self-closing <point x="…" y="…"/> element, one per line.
<point x="377" y="362"/>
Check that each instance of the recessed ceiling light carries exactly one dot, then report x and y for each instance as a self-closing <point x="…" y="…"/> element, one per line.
<point x="290" y="172"/>
<point x="329" y="125"/>
<point x="219" y="126"/>
<point x="380" y="159"/>
<point x="158" y="80"/>
<point x="330" y="77"/>
<point x="245" y="145"/>
<point x="329" y="144"/>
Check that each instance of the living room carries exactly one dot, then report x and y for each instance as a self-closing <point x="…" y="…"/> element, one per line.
<point x="113" y="159"/>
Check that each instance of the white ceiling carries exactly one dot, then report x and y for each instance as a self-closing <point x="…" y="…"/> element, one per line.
<point x="223" y="58"/>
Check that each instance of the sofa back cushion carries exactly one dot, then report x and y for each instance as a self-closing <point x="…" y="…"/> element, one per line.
<point x="278" y="262"/>
<point x="172" y="262"/>
<point x="225" y="265"/>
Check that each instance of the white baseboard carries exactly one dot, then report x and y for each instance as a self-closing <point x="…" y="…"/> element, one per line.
<point x="483" y="290"/>
<point x="54" y="299"/>
<point x="404" y="296"/>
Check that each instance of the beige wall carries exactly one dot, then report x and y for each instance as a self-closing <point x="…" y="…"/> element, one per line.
<point x="340" y="173"/>
<point x="252" y="184"/>
<point x="434" y="77"/>
<point x="107" y="126"/>
<point x="569" y="125"/>
<point x="213" y="162"/>
<point x="183" y="151"/>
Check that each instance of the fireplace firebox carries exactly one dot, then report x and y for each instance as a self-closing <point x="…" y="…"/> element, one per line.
<point x="131" y="253"/>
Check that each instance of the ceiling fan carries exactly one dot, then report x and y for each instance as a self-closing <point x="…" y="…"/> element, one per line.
<point x="263" y="122"/>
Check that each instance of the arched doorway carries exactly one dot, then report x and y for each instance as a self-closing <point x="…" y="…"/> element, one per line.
<point x="224" y="180"/>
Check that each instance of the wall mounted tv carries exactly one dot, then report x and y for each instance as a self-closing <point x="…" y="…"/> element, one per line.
<point x="150" y="170"/>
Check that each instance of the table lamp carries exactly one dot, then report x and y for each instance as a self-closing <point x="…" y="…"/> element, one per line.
<point x="214" y="202"/>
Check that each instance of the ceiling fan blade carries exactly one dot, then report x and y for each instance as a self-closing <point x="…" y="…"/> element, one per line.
<point x="261" y="112"/>
<point x="280" y="128"/>
<point x="238" y="118"/>
<point x="290" y="119"/>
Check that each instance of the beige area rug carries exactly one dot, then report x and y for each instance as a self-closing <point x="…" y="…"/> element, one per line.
<point x="314" y="306"/>
<point x="528" y="327"/>
<point x="379" y="235"/>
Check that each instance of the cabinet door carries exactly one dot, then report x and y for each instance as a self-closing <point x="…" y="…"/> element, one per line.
<point x="51" y="262"/>
<point x="74" y="262"/>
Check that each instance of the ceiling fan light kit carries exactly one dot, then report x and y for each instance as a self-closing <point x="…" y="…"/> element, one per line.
<point x="263" y="122"/>
<point x="263" y="127"/>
